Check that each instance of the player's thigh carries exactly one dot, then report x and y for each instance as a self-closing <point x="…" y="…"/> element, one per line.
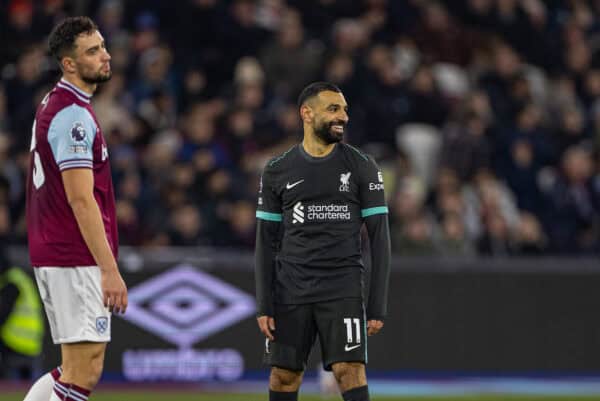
<point x="342" y="331"/>
<point x="72" y="298"/>
<point x="295" y="334"/>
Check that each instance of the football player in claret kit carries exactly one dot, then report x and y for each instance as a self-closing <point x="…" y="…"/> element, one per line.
<point x="313" y="200"/>
<point x="71" y="221"/>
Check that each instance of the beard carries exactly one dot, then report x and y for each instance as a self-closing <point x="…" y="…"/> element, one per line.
<point x="326" y="134"/>
<point x="96" y="78"/>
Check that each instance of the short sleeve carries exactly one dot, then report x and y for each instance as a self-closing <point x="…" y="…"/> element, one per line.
<point x="269" y="203"/>
<point x="71" y="137"/>
<point x="372" y="195"/>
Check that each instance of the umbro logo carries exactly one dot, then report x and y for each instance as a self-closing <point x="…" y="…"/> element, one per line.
<point x="290" y="186"/>
<point x="185" y="305"/>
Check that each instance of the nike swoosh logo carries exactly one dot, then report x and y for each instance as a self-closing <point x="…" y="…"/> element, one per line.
<point x="350" y="348"/>
<point x="290" y="186"/>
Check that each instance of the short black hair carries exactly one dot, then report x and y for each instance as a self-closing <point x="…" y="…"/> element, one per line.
<point x="314" y="89"/>
<point x="63" y="36"/>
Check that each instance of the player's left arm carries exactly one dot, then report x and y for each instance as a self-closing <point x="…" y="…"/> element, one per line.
<point x="375" y="214"/>
<point x="379" y="237"/>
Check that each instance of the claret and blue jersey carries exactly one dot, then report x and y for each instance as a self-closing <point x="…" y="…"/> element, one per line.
<point x="65" y="135"/>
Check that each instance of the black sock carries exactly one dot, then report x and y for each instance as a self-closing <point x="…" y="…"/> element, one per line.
<point x="357" y="394"/>
<point x="283" y="395"/>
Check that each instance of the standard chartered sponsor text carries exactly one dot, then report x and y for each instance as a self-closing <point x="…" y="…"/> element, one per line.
<point x="328" y="212"/>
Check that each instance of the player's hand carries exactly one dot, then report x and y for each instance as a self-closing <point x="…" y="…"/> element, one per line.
<point x="266" y="324"/>
<point x="373" y="326"/>
<point x="114" y="291"/>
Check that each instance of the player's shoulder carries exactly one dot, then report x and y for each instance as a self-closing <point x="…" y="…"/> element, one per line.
<point x="59" y="103"/>
<point x="69" y="112"/>
<point x="282" y="161"/>
<point x="357" y="156"/>
<point x="67" y="119"/>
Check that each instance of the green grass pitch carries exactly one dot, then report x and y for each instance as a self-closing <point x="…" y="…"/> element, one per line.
<point x="191" y="396"/>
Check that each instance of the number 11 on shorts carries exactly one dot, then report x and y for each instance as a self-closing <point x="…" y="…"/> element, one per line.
<point x="349" y="335"/>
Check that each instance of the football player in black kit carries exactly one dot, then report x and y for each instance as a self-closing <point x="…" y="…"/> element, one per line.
<point x="312" y="202"/>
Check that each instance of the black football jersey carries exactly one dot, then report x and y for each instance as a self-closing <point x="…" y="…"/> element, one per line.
<point x="321" y="204"/>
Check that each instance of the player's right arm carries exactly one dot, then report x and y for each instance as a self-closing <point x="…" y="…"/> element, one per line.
<point x="268" y="229"/>
<point x="71" y="137"/>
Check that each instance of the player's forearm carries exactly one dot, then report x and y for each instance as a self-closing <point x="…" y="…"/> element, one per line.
<point x="266" y="250"/>
<point x="89" y="220"/>
<point x="379" y="236"/>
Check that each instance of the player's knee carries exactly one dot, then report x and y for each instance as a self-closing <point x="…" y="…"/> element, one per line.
<point x="96" y="367"/>
<point x="89" y="376"/>
<point x="86" y="371"/>
<point x="349" y="375"/>
<point x="285" y="380"/>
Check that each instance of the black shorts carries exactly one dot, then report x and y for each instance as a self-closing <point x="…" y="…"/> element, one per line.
<point x="340" y="325"/>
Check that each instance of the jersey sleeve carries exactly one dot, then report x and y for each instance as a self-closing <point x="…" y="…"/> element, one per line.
<point x="71" y="137"/>
<point x="374" y="210"/>
<point x="269" y="203"/>
<point x="372" y="196"/>
<point x="268" y="225"/>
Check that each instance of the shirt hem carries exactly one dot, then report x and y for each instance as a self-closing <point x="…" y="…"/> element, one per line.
<point x="92" y="339"/>
<point x="64" y="265"/>
<point x="316" y="300"/>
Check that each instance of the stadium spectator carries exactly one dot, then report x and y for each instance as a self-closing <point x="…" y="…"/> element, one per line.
<point x="454" y="240"/>
<point x="290" y="61"/>
<point x="572" y="217"/>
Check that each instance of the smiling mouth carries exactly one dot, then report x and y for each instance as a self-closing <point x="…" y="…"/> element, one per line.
<point x="339" y="128"/>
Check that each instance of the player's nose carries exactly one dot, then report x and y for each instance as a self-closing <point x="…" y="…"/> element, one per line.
<point x="343" y="116"/>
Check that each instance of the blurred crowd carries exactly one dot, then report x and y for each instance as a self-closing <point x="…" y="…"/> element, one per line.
<point x="482" y="114"/>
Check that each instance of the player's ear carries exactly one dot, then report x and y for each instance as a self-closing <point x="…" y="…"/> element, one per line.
<point x="68" y="64"/>
<point x="306" y="113"/>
